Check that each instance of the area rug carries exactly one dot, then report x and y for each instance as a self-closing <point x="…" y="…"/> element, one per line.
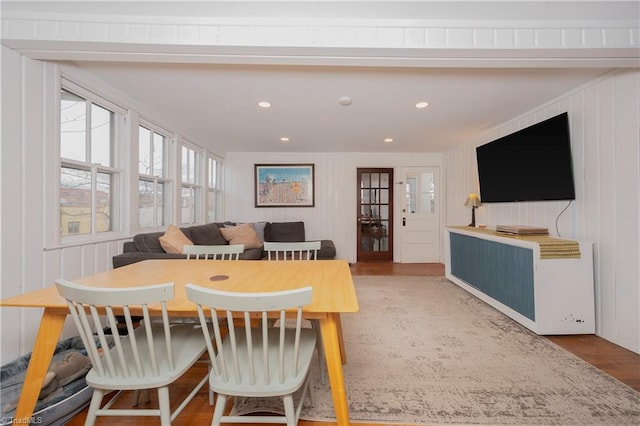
<point x="423" y="351"/>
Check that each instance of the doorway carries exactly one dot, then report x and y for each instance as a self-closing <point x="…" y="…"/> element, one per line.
<point x="375" y="214"/>
<point x="419" y="203"/>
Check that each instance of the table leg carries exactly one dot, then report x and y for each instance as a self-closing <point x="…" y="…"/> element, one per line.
<point x="331" y="341"/>
<point x="48" y="336"/>
<point x="343" y="352"/>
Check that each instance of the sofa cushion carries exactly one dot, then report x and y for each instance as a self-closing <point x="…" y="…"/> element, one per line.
<point x="242" y="234"/>
<point x="125" y="259"/>
<point x="205" y="235"/>
<point x="149" y="242"/>
<point x="251" y="254"/>
<point x="285" y="232"/>
<point x="174" y="240"/>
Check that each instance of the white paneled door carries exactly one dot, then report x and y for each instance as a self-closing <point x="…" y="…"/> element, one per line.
<point x="418" y="213"/>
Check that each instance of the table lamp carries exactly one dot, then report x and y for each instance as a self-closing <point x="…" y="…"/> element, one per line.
<point x="473" y="201"/>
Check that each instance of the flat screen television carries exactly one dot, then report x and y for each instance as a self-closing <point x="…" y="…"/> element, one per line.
<point x="532" y="164"/>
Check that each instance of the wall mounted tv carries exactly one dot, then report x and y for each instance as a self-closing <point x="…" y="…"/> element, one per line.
<point x="532" y="164"/>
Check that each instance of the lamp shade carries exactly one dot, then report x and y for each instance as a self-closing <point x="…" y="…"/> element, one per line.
<point x="473" y="200"/>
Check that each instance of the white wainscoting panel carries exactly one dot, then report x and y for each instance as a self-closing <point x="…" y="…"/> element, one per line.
<point x="25" y="264"/>
<point x="12" y="205"/>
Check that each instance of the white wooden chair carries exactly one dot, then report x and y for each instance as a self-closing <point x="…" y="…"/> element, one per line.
<point x="151" y="356"/>
<point x="213" y="252"/>
<point x="307" y="250"/>
<point x="210" y="252"/>
<point x="264" y="361"/>
<point x="216" y="252"/>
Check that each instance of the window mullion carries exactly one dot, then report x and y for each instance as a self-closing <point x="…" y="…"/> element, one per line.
<point x="189" y="165"/>
<point x="156" y="218"/>
<point x="94" y="199"/>
<point x="193" y="204"/>
<point x="150" y="153"/>
<point x="105" y="169"/>
<point x="88" y="133"/>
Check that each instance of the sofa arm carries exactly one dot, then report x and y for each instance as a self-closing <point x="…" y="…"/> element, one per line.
<point x="129" y="247"/>
<point x="327" y="250"/>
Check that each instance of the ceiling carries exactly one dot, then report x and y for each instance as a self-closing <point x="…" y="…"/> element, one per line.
<point x="217" y="103"/>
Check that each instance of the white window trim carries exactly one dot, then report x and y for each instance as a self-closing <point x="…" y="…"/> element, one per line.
<point x="169" y="180"/>
<point x="56" y="81"/>
<point x="88" y="94"/>
<point x="128" y="115"/>
<point x="216" y="191"/>
<point x="200" y="183"/>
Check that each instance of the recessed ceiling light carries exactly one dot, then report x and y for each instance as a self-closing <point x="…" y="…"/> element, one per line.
<point x="388" y="140"/>
<point x="285" y="139"/>
<point x="344" y="101"/>
<point x="264" y="104"/>
<point x="421" y="105"/>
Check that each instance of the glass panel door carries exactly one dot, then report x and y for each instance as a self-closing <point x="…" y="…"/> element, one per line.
<point x="375" y="218"/>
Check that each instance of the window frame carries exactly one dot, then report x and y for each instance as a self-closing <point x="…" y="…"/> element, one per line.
<point x="167" y="179"/>
<point x="124" y="157"/>
<point x="213" y="189"/>
<point x="118" y="173"/>
<point x="196" y="188"/>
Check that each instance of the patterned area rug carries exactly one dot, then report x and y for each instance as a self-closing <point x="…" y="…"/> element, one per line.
<point x="423" y="351"/>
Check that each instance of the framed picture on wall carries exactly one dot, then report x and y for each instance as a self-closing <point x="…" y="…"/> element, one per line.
<point x="284" y="185"/>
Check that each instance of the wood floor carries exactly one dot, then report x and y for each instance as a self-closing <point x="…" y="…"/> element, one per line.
<point x="608" y="357"/>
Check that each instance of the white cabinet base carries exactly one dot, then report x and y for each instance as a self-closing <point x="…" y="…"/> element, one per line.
<point x="548" y="296"/>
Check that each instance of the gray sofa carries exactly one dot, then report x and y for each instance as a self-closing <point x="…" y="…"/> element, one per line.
<point x="147" y="246"/>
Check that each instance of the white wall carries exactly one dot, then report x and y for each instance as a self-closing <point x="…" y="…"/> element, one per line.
<point x="605" y="127"/>
<point x="605" y="130"/>
<point x="335" y="211"/>
<point x="31" y="256"/>
<point x="26" y="265"/>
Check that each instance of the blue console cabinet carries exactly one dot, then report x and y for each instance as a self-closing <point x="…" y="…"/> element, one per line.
<point x="549" y="296"/>
<point x="501" y="271"/>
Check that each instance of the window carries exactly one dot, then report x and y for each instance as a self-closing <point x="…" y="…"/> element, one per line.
<point x="73" y="227"/>
<point x="153" y="182"/>
<point x="88" y="179"/>
<point x="214" y="194"/>
<point x="191" y="191"/>
<point x="420" y="192"/>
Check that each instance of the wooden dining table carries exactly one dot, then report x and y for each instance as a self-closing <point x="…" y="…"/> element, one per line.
<point x="333" y="294"/>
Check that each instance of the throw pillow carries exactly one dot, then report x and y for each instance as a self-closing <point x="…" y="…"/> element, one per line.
<point x="206" y="235"/>
<point x="259" y="228"/>
<point x="242" y="234"/>
<point x="174" y="240"/>
<point x="283" y="232"/>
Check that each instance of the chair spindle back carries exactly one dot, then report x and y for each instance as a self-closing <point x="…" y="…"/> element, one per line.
<point x="307" y="250"/>
<point x="250" y="330"/>
<point x="95" y="309"/>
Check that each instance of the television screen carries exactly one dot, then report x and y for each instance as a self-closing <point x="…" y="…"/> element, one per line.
<point x="532" y="164"/>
